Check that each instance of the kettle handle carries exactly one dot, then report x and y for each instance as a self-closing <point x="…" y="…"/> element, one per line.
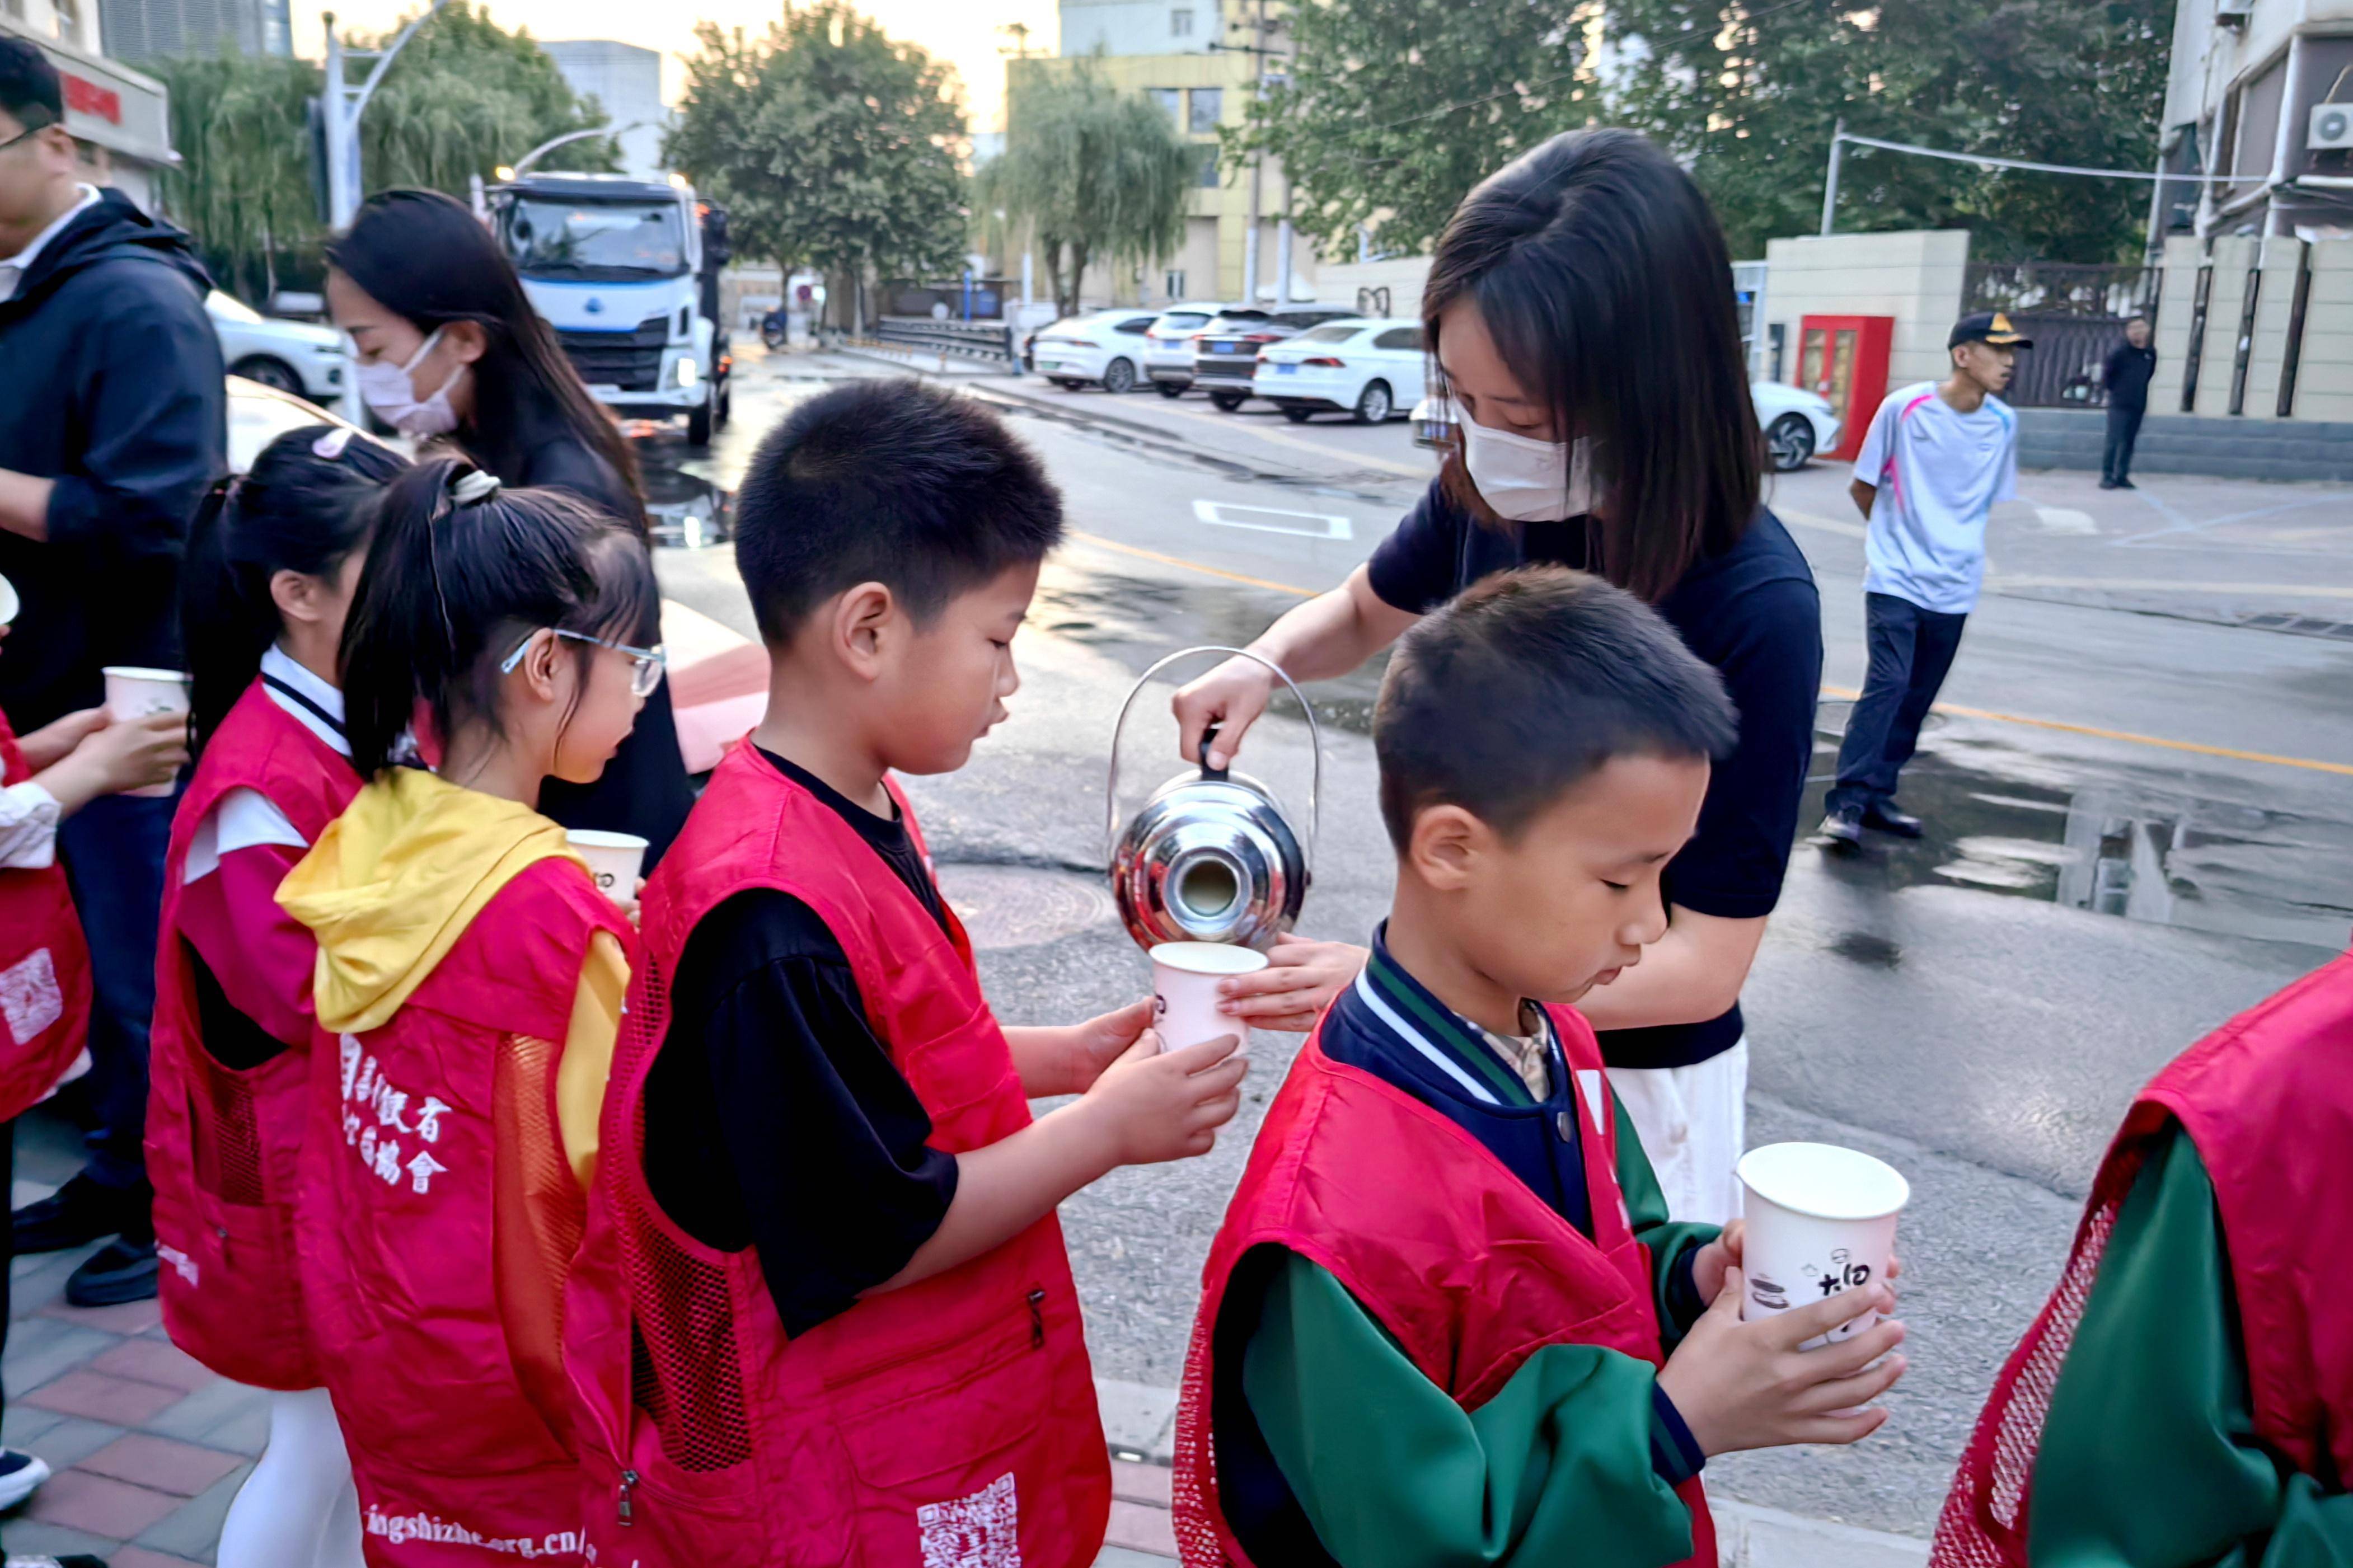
<point x="1315" y="743"/>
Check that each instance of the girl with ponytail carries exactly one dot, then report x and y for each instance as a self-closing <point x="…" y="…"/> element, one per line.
<point x="469" y="990"/>
<point x="272" y="562"/>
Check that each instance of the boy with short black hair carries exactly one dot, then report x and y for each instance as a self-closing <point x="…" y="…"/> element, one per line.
<point x="1433" y="1322"/>
<point x="823" y="1314"/>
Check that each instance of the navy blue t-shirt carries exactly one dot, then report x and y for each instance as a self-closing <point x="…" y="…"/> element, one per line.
<point x="1751" y="612"/>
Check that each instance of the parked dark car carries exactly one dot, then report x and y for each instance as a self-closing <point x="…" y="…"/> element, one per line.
<point x="1226" y="352"/>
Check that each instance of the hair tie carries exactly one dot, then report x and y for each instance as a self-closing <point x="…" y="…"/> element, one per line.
<point x="474" y="485"/>
<point x="330" y="445"/>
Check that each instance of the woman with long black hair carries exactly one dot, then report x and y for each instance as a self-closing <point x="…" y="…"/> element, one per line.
<point x="1579" y="307"/>
<point x="451" y="347"/>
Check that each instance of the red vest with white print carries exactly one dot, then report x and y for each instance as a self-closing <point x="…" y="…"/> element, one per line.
<point x="223" y="1145"/>
<point x="951" y="1424"/>
<point x="458" y="1461"/>
<point x="2267" y="1102"/>
<point x="43" y="969"/>
<point x="1472" y="1273"/>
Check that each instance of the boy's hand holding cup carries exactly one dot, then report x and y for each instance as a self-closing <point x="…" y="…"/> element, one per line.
<point x="1155" y="1105"/>
<point x="134" y="692"/>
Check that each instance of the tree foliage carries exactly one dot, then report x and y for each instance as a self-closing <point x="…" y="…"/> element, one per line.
<point x="1393" y="109"/>
<point x="1098" y="175"/>
<point x="831" y="144"/>
<point x="243" y="187"/>
<point x="1748" y="95"/>
<point x="466" y="96"/>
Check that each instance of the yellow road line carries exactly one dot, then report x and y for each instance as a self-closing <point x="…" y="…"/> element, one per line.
<point x="1137" y="550"/>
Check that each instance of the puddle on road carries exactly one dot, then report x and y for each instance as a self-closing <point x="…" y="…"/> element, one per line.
<point x="2126" y="843"/>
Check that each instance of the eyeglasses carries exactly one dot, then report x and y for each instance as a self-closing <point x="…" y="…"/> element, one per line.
<point x="27" y="134"/>
<point x="645" y="664"/>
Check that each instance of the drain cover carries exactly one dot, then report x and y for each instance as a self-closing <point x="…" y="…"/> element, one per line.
<point x="1016" y="906"/>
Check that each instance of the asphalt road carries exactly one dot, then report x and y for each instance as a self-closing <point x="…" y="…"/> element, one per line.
<point x="2140" y="817"/>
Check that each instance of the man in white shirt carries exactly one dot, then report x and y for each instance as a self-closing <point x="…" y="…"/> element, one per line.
<point x="1938" y="457"/>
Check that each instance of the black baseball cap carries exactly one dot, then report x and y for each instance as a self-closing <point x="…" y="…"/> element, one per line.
<point x="1988" y="327"/>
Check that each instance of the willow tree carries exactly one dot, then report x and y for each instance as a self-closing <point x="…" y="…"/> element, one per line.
<point x="466" y="96"/>
<point x="1096" y="175"/>
<point x="243" y="185"/>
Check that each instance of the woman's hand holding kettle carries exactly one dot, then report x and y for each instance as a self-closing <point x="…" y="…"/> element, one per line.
<point x="1224" y="704"/>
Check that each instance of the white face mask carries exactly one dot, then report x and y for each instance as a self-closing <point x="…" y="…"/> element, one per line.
<point x="1527" y="480"/>
<point x="389" y="391"/>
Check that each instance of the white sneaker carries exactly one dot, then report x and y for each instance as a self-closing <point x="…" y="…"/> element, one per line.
<point x="21" y="1474"/>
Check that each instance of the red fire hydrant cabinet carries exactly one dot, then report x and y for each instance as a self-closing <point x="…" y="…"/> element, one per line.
<point x="1844" y="358"/>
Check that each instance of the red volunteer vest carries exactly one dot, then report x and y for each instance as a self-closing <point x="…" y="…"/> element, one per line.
<point x="453" y="1456"/>
<point x="2267" y="1099"/>
<point x="43" y="969"/>
<point x="949" y="1424"/>
<point x="1472" y="1274"/>
<point x="223" y="1146"/>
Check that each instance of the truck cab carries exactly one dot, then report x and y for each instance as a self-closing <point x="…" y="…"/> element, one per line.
<point x="626" y="274"/>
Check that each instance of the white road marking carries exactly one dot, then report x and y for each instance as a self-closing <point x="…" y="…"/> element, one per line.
<point x="2065" y="519"/>
<point x="1327" y="525"/>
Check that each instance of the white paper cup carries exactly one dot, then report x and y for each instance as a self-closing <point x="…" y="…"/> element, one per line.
<point x="1821" y="1219"/>
<point x="134" y="692"/>
<point x="9" y="602"/>
<point x="614" y="861"/>
<point x="1185" y="977"/>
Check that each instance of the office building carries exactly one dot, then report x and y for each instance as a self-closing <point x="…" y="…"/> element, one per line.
<point x="144" y="29"/>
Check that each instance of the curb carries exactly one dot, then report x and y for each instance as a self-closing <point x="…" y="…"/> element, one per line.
<point x="1140" y="1424"/>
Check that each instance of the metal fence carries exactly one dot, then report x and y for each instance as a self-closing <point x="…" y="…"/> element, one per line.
<point x="987" y="340"/>
<point x="2076" y="315"/>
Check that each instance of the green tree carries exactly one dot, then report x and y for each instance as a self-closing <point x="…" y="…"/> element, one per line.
<point x="1098" y="175"/>
<point x="1393" y="109"/>
<point x="831" y="144"/>
<point x="243" y="187"/>
<point x="1746" y="95"/>
<point x="466" y="96"/>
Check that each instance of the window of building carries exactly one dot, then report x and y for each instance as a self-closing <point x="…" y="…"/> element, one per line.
<point x="13" y="9"/>
<point x="1208" y="181"/>
<point x="1209" y="107"/>
<point x="69" y="20"/>
<point x="1172" y="284"/>
<point x="1180" y="23"/>
<point x="1171" y="101"/>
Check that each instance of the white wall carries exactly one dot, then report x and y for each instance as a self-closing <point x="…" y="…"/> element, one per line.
<point x="2324" y="380"/>
<point x="1913" y="275"/>
<point x="1403" y="276"/>
<point x="1139" y="27"/>
<point x="626" y="82"/>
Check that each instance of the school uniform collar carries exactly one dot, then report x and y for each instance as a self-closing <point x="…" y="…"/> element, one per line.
<point x="1442" y="1039"/>
<point x="315" y="704"/>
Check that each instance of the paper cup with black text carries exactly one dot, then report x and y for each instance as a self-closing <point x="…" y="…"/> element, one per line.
<point x="614" y="861"/>
<point x="1185" y="977"/>
<point x="1821" y="1219"/>
<point x="135" y="692"/>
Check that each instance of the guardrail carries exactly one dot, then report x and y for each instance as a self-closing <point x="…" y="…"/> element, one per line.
<point x="987" y="340"/>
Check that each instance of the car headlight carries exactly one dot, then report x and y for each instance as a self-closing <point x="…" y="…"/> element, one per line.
<point x="687" y="372"/>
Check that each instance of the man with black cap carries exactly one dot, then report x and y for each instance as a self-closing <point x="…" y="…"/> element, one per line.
<point x="1938" y="457"/>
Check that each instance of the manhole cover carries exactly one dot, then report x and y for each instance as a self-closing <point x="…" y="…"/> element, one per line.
<point x="1016" y="906"/>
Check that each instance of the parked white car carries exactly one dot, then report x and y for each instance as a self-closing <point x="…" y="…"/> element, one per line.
<point x="1106" y="348"/>
<point x="1369" y="368"/>
<point x="292" y="356"/>
<point x="1168" y="345"/>
<point x="1797" y="423"/>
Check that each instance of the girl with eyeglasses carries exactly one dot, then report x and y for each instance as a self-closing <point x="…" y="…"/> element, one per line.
<point x="273" y="560"/>
<point x="469" y="990"/>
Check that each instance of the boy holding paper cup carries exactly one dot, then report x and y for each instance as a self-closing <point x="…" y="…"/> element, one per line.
<point x="1447" y="1319"/>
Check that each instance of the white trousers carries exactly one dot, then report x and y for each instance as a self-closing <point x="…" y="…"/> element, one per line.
<point x="1693" y="1122"/>
<point x="299" y="1508"/>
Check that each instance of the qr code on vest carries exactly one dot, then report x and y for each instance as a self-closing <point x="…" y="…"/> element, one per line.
<point x="977" y="1531"/>
<point x="29" y="998"/>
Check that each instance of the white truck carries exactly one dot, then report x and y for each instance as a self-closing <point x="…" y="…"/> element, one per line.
<point x="626" y="271"/>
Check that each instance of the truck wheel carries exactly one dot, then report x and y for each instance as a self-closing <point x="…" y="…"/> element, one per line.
<point x="697" y="425"/>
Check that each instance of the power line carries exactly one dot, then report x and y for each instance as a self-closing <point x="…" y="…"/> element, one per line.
<point x="1984" y="161"/>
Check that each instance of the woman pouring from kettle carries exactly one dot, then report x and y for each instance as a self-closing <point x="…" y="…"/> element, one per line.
<point x="1579" y="307"/>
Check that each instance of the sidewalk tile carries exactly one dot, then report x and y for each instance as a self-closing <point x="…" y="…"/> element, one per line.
<point x="194" y="1528"/>
<point x="140" y="1557"/>
<point x="20" y="1425"/>
<point x="1146" y="1484"/>
<point x="130" y="1317"/>
<point x="222" y="1415"/>
<point x="163" y="1464"/>
<point x="1141" y="1528"/>
<point x="33" y="1538"/>
<point x="124" y="1401"/>
<point x="72" y="1440"/>
<point x="152" y="1360"/>
<point x="42" y="1348"/>
<point x="37" y="1285"/>
<point x="98" y="1504"/>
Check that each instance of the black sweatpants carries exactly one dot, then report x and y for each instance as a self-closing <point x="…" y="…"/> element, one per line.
<point x="2123" y="429"/>
<point x="1911" y="651"/>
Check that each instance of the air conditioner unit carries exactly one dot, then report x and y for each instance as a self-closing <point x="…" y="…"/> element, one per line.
<point x="2332" y="127"/>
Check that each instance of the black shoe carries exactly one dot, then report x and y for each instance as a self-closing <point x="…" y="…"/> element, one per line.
<point x="2126" y="485"/>
<point x="123" y="1270"/>
<point x="2110" y="485"/>
<point x="1887" y="819"/>
<point x="20" y="1475"/>
<point x="81" y="1212"/>
<point x="1843" y="826"/>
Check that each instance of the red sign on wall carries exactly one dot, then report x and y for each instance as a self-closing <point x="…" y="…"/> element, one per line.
<point x="86" y="97"/>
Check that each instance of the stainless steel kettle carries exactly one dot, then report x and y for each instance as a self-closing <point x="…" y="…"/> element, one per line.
<point x="1210" y="856"/>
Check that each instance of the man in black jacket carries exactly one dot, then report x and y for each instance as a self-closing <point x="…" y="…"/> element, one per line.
<point x="2126" y="377"/>
<point x="113" y="425"/>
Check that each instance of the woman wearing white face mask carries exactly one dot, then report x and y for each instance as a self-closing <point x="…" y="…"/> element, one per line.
<point x="451" y="347"/>
<point x="1580" y="309"/>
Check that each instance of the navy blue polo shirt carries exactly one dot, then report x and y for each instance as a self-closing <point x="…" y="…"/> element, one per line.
<point x="1753" y="613"/>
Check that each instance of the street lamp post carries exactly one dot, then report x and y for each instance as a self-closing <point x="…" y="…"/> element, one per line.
<point x="1830" y="184"/>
